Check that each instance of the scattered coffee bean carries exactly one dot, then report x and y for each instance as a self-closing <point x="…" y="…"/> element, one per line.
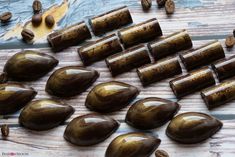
<point x="37" y="19"/>
<point x="5" y="17"/>
<point x="5" y="130"/>
<point x="49" y="20"/>
<point x="230" y="41"/>
<point x="37" y="6"/>
<point x="170" y="6"/>
<point x="161" y="153"/>
<point x="146" y="4"/>
<point x="161" y="3"/>
<point x="27" y="34"/>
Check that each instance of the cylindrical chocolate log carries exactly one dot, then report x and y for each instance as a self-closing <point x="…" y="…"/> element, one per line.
<point x="140" y="33"/>
<point x="170" y="45"/>
<point x="225" y="68"/>
<point x="203" y="55"/>
<point x="219" y="95"/>
<point x="192" y="82"/>
<point x="158" y="71"/>
<point x="128" y="59"/>
<point x="100" y="49"/>
<point x="69" y="36"/>
<point x="111" y="20"/>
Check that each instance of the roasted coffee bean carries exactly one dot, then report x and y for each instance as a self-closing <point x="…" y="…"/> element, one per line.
<point x="5" y="17"/>
<point x="142" y="32"/>
<point x="14" y="96"/>
<point x="203" y="55"/>
<point x="150" y="113"/>
<point x="90" y="129"/>
<point x="127" y="60"/>
<point x="70" y="81"/>
<point x="27" y="34"/>
<point x="220" y="94"/>
<point x="146" y="4"/>
<point x="224" y="68"/>
<point x="45" y="114"/>
<point x="49" y="20"/>
<point x="132" y="145"/>
<point x="100" y="49"/>
<point x="111" y="20"/>
<point x="37" y="19"/>
<point x="158" y="71"/>
<point x="161" y="153"/>
<point x="29" y="65"/>
<point x="192" y="127"/>
<point x="161" y="3"/>
<point x="69" y="36"/>
<point x="170" y="45"/>
<point x="3" y="77"/>
<point x="110" y="96"/>
<point x="5" y="130"/>
<point x="192" y="82"/>
<point x="230" y="41"/>
<point x="37" y="6"/>
<point x="170" y="6"/>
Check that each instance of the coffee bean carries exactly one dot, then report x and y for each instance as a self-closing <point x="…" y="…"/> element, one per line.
<point x="170" y="6"/>
<point x="146" y="4"/>
<point x="161" y="3"/>
<point x="27" y="34"/>
<point x="49" y="20"/>
<point x="37" y="6"/>
<point x="37" y="19"/>
<point x="230" y="41"/>
<point x="5" y="17"/>
<point x="161" y="153"/>
<point x="5" y="130"/>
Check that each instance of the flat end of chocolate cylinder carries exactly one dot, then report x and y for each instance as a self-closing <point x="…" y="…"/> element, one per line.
<point x="143" y="82"/>
<point x="205" y="100"/>
<point x="173" y="89"/>
<point x="110" y="68"/>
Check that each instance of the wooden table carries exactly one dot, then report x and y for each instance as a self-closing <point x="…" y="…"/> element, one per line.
<point x="205" y="20"/>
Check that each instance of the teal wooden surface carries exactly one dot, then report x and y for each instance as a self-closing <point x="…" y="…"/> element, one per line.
<point x="205" y="20"/>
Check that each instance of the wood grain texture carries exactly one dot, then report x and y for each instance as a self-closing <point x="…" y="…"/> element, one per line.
<point x="205" y="20"/>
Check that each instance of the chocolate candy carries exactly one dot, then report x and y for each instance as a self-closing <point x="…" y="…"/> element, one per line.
<point x="220" y="94"/>
<point x="224" y="68"/>
<point x="69" y="36"/>
<point x="158" y="71"/>
<point x="140" y="33"/>
<point x="128" y="59"/>
<point x="100" y="49"/>
<point x="203" y="55"/>
<point x="170" y="45"/>
<point x="192" y="82"/>
<point x="111" y="20"/>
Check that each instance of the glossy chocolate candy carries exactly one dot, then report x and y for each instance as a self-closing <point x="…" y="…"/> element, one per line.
<point x="220" y="94"/>
<point x="140" y="33"/>
<point x="150" y="113"/>
<point x="3" y="77"/>
<point x="111" y="20"/>
<point x="45" y="114"/>
<point x="127" y="60"/>
<point x="100" y="49"/>
<point x="158" y="71"/>
<point x="203" y="55"/>
<point x="69" y="36"/>
<point x="14" y="96"/>
<point x="193" y="127"/>
<point x="70" y="81"/>
<point x="132" y="145"/>
<point x="90" y="129"/>
<point x="224" y="68"/>
<point x="170" y="45"/>
<point x="29" y="65"/>
<point x="192" y="82"/>
<point x="110" y="96"/>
